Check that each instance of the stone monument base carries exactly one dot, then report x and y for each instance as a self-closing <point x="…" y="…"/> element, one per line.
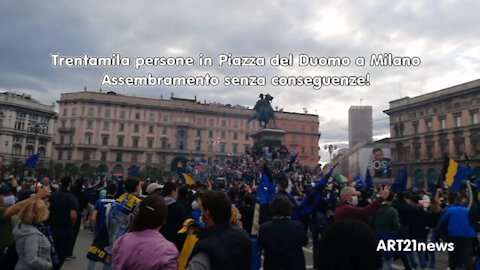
<point x="267" y="137"/>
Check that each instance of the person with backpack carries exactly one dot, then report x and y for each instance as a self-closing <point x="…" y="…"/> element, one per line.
<point x="145" y="247"/>
<point x="121" y="213"/>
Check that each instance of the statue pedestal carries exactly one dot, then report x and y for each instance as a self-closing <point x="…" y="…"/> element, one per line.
<point x="267" y="137"/>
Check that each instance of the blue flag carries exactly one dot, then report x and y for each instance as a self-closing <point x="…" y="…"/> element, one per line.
<point x="309" y="203"/>
<point x="132" y="170"/>
<point x="400" y="183"/>
<point x="368" y="179"/>
<point x="256" y="257"/>
<point x="360" y="181"/>
<point x="266" y="189"/>
<point x="32" y="161"/>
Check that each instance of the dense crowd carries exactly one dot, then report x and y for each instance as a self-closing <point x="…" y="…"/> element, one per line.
<point x="265" y="203"/>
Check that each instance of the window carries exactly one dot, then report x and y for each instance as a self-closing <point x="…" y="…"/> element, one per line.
<point x="89" y="124"/>
<point x="64" y="123"/>
<point x="235" y="136"/>
<point x="74" y="111"/>
<point x="71" y="140"/>
<point x="88" y="139"/>
<point x="61" y="139"/>
<point x="150" y="143"/>
<point x="199" y="121"/>
<point x="86" y="155"/>
<point x="72" y="123"/>
<point x="122" y="114"/>
<point x="149" y="158"/>
<point x="312" y="151"/>
<point x="429" y="125"/>
<point x="164" y="131"/>
<point x="105" y="140"/>
<point x="103" y="156"/>
<point x="119" y="157"/>
<point x="165" y="118"/>
<point x="64" y="112"/>
<point x="222" y="147"/>
<point x="120" y="141"/>
<point x="443" y="123"/>
<point x="474" y="118"/>
<point x="150" y="129"/>
<point x="181" y="139"/>
<point x="303" y="150"/>
<point x="235" y="124"/>
<point x="107" y="112"/>
<point x="187" y="120"/>
<point x="248" y="126"/>
<point x="121" y="126"/>
<point x="69" y="155"/>
<point x="106" y="125"/>
<point x="223" y="135"/>
<point x="224" y="123"/>
<point x="137" y="116"/>
<point x="134" y="157"/>
<point x="152" y="117"/>
<point x="246" y="136"/>
<point x="210" y="134"/>
<point x="303" y="128"/>
<point x="136" y="127"/>
<point x="19" y="125"/>
<point x="199" y="133"/>
<point x="210" y="122"/>
<point x="90" y="111"/>
<point x="235" y="147"/>
<point x="458" y="121"/>
<point x="199" y="145"/>
<point x="164" y="143"/>
<point x="135" y="142"/>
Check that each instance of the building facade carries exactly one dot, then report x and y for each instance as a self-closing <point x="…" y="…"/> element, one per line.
<point x="113" y="132"/>
<point x="26" y="128"/>
<point x="426" y="127"/>
<point x="360" y="126"/>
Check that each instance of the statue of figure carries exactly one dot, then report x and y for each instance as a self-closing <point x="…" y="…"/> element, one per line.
<point x="264" y="111"/>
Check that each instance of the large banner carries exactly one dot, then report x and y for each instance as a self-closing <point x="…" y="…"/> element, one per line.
<point x="375" y="160"/>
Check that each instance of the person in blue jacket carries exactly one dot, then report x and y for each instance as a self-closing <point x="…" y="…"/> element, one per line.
<point x="456" y="223"/>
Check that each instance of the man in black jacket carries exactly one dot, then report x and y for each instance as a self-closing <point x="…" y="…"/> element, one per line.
<point x="282" y="238"/>
<point x="175" y="217"/>
<point x="220" y="246"/>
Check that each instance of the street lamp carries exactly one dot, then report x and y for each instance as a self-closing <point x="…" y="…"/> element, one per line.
<point x="330" y="148"/>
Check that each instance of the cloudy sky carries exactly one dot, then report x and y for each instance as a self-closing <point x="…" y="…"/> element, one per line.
<point x="444" y="34"/>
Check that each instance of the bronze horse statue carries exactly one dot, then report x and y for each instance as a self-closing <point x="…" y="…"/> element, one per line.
<point x="264" y="111"/>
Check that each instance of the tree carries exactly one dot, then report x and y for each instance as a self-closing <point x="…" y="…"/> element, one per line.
<point x="58" y="170"/>
<point x="71" y="169"/>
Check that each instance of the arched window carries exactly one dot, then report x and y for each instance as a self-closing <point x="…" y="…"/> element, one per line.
<point x="181" y="139"/>
<point x="419" y="178"/>
<point x="164" y="143"/>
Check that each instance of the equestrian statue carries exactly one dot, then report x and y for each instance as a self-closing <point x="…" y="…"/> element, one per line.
<point x="264" y="111"/>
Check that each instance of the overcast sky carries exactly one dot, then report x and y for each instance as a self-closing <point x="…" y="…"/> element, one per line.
<point x="444" y="34"/>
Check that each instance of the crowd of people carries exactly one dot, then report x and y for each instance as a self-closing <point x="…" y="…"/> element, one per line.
<point x="139" y="224"/>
